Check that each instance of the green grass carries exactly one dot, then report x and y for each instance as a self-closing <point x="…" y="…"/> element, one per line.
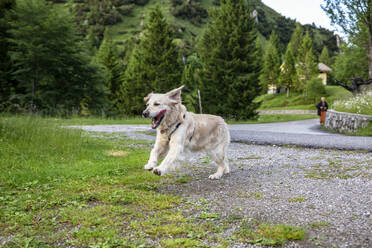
<point x="62" y="186"/>
<point x="366" y="131"/>
<point x="296" y="101"/>
<point x="266" y="234"/>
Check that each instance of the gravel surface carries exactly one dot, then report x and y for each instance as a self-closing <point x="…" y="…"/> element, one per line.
<point x="273" y="184"/>
<point x="296" y="186"/>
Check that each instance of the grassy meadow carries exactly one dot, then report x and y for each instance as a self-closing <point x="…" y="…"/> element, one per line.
<point x="61" y="187"/>
<point x="296" y="101"/>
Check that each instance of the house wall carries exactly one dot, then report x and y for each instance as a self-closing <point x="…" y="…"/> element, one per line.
<point x="271" y="89"/>
<point x="323" y="77"/>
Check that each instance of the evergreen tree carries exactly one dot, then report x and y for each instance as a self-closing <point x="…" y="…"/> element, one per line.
<point x="52" y="69"/>
<point x="154" y="65"/>
<point x="324" y="57"/>
<point x="288" y="71"/>
<point x="107" y="56"/>
<point x="271" y="64"/>
<point x="306" y="67"/>
<point x="7" y="85"/>
<point x="229" y="78"/>
<point x="190" y="78"/>
<point x="296" y="40"/>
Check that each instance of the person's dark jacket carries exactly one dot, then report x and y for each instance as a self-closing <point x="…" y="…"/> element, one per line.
<point x="322" y="106"/>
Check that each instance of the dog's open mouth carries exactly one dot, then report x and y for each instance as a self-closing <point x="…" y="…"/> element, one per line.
<point x="157" y="119"/>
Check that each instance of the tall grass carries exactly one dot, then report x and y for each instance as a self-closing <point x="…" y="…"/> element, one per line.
<point x="36" y="149"/>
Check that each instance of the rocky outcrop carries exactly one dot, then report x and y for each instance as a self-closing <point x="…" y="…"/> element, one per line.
<point x="346" y="122"/>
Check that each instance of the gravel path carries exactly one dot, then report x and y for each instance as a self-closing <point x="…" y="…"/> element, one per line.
<point x="326" y="191"/>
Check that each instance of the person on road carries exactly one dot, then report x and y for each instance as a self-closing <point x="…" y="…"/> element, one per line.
<point x="322" y="107"/>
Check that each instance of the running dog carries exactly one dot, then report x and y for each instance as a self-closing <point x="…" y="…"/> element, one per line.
<point x="180" y="131"/>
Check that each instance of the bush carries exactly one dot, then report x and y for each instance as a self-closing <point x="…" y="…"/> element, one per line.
<point x="192" y="11"/>
<point x="359" y="104"/>
<point x="126" y="9"/>
<point x="314" y="90"/>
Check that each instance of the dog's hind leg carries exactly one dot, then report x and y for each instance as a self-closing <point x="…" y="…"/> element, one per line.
<point x="219" y="156"/>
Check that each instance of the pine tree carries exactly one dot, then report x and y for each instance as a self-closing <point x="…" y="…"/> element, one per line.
<point x="271" y="64"/>
<point x="154" y="65"/>
<point x="296" y="40"/>
<point x="107" y="56"/>
<point x="288" y="71"/>
<point x="229" y="78"/>
<point x="50" y="61"/>
<point x="7" y="85"/>
<point x="324" y="56"/>
<point x="190" y="78"/>
<point x="307" y="66"/>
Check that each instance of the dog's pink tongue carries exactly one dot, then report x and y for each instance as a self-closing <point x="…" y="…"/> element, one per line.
<point x="153" y="123"/>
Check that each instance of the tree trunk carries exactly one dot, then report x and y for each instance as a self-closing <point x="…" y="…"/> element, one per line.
<point x="370" y="56"/>
<point x="287" y="92"/>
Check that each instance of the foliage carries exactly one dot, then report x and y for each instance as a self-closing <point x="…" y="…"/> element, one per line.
<point x="324" y="57"/>
<point x="355" y="18"/>
<point x="306" y="66"/>
<point x="7" y="85"/>
<point x="296" y="40"/>
<point x="352" y="62"/>
<point x="191" y="10"/>
<point x="229" y="78"/>
<point x="288" y="77"/>
<point x="271" y="64"/>
<point x="50" y="62"/>
<point x="108" y="56"/>
<point x="315" y="89"/>
<point x="359" y="104"/>
<point x="190" y="78"/>
<point x="153" y="66"/>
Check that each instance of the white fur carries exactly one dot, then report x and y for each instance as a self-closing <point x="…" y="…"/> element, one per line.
<point x="196" y="133"/>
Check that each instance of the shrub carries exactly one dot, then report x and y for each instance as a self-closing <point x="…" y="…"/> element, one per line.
<point x="359" y="104"/>
<point x="314" y="90"/>
<point x="126" y="9"/>
<point x="193" y="11"/>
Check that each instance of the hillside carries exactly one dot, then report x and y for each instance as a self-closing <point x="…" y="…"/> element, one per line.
<point x="297" y="101"/>
<point x="124" y="20"/>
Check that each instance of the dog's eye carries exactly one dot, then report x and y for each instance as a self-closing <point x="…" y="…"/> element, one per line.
<point x="156" y="104"/>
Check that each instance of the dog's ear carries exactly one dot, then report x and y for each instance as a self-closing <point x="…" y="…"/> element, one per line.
<point x="175" y="95"/>
<point x="146" y="98"/>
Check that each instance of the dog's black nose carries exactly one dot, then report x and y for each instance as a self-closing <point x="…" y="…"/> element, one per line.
<point x="145" y="113"/>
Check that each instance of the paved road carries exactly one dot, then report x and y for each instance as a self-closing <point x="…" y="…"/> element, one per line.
<point x="305" y="133"/>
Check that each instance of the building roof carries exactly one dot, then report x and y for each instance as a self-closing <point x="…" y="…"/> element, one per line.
<point x="324" y="68"/>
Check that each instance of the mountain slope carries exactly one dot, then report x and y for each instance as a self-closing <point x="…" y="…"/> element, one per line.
<point x="133" y="13"/>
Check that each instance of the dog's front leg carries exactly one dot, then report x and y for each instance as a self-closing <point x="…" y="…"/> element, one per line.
<point x="159" y="149"/>
<point x="175" y="149"/>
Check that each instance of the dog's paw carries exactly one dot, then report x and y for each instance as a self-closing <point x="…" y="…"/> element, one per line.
<point x="148" y="167"/>
<point x="157" y="171"/>
<point x="215" y="176"/>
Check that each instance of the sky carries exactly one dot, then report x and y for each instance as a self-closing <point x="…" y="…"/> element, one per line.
<point x="304" y="11"/>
